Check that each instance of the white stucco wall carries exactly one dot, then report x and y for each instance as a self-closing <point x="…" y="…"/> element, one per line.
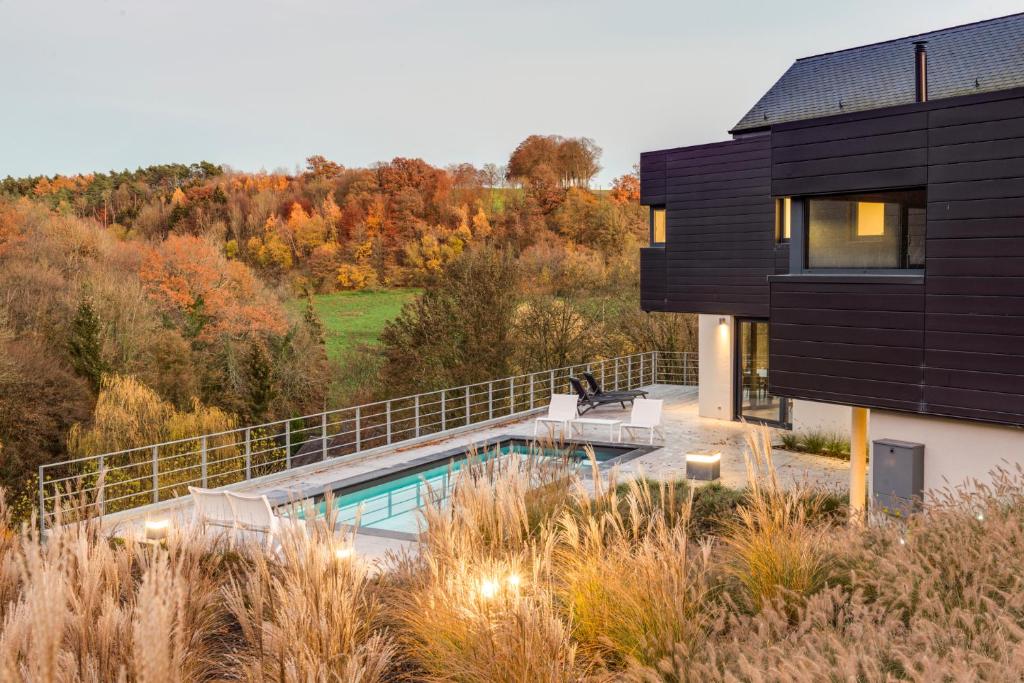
<point x="955" y="451"/>
<point x="811" y="416"/>
<point x="715" y="340"/>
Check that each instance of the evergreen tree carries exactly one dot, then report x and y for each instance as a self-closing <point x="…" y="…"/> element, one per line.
<point x="313" y="322"/>
<point x="85" y="344"/>
<point x="261" y="380"/>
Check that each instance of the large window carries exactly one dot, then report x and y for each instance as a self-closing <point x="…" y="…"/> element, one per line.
<point x="866" y="231"/>
<point x="657" y="225"/>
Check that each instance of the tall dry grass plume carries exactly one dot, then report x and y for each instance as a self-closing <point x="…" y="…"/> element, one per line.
<point x="532" y="569"/>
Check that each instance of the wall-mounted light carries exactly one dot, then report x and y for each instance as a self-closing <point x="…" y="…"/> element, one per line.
<point x="721" y="321"/>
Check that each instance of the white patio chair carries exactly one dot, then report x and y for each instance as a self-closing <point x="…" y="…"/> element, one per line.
<point x="561" y="409"/>
<point x="646" y="415"/>
<point x="254" y="513"/>
<point x="211" y="507"/>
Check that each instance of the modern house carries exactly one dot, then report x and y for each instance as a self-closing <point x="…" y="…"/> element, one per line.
<point x="856" y="250"/>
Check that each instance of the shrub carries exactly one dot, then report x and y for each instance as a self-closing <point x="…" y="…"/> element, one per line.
<point x="817" y="442"/>
<point x="776" y="552"/>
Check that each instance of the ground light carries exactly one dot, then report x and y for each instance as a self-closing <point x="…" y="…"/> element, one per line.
<point x="344" y="554"/>
<point x="489" y="588"/>
<point x="156" y="529"/>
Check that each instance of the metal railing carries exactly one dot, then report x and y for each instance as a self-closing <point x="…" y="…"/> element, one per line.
<point x="163" y="471"/>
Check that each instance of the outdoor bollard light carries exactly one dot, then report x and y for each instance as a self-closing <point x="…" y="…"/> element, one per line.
<point x="703" y="465"/>
<point x="343" y="553"/>
<point x="489" y="588"/>
<point x="156" y="529"/>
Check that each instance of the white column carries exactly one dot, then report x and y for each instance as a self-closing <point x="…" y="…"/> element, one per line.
<point x="715" y="363"/>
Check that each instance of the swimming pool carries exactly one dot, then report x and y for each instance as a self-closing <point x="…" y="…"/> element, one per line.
<point x="387" y="501"/>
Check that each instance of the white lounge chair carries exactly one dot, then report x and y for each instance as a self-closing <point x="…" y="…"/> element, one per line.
<point x="646" y="415"/>
<point x="254" y="513"/>
<point x="561" y="409"/>
<point x="211" y="507"/>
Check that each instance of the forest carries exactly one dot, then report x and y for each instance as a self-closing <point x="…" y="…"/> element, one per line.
<point x="141" y="306"/>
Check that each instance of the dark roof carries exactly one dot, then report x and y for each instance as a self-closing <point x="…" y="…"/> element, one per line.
<point x="979" y="57"/>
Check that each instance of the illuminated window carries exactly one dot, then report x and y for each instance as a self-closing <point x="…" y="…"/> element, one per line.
<point x="783" y="214"/>
<point x="657" y="225"/>
<point x="870" y="219"/>
<point x="865" y="231"/>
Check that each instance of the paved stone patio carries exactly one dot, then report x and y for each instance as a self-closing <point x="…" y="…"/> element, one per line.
<point x="684" y="431"/>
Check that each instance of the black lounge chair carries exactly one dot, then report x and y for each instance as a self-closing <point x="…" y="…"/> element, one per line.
<point x="588" y="401"/>
<point x="595" y="389"/>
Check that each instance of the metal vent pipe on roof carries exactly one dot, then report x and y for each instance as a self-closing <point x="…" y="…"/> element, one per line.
<point x="920" y="71"/>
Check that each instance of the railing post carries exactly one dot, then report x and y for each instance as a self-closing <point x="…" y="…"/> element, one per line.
<point x="467" y="405"/>
<point x="359" y="426"/>
<point x="616" y="372"/>
<point x="490" y="400"/>
<point x="444" y="408"/>
<point x="629" y="372"/>
<point x="604" y="380"/>
<point x="654" y="367"/>
<point x="156" y="474"/>
<point x="552" y="381"/>
<point x="388" y="418"/>
<point x="416" y="412"/>
<point x="511" y="395"/>
<point x="323" y="436"/>
<point x="287" y="444"/>
<point x="531" y="392"/>
<point x="102" y="493"/>
<point x="641" y="383"/>
<point x="42" y="503"/>
<point x="202" y="460"/>
<point x="248" y="453"/>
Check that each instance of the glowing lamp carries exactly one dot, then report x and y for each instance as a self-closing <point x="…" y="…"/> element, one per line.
<point x="489" y="588"/>
<point x="513" y="580"/>
<point x="704" y="465"/>
<point x="156" y="529"/>
<point x="343" y="554"/>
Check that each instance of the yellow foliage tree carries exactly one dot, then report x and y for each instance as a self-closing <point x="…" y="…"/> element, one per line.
<point x="481" y="226"/>
<point x="356" y="276"/>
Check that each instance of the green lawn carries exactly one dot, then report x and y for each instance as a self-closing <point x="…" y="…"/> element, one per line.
<point x="353" y="318"/>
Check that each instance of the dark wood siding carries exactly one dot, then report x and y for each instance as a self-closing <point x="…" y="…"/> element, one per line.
<point x="719" y="246"/>
<point x="652" y="177"/>
<point x="652" y="279"/>
<point x="852" y="341"/>
<point x="954" y="345"/>
<point x="974" y="317"/>
<point x="859" y="153"/>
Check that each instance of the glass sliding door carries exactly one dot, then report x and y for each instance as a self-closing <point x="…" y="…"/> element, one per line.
<point x="753" y="402"/>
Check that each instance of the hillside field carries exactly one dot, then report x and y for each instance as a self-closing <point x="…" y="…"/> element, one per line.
<point x="354" y="318"/>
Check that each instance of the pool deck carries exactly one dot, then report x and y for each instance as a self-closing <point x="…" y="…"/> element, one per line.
<point x="685" y="431"/>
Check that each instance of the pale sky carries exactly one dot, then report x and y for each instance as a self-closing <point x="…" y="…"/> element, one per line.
<point x="94" y="84"/>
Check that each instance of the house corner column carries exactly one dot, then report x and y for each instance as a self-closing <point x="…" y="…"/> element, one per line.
<point x="858" y="463"/>
<point x="715" y="363"/>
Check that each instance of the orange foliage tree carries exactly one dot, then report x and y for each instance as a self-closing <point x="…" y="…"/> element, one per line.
<point x="206" y="294"/>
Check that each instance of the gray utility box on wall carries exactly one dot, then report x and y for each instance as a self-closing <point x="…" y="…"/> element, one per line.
<point x="897" y="475"/>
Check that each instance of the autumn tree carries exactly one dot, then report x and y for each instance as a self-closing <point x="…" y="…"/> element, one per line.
<point x="573" y="161"/>
<point x="320" y="166"/>
<point x="626" y="189"/>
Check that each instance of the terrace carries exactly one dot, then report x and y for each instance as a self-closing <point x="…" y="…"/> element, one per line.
<point x="291" y="461"/>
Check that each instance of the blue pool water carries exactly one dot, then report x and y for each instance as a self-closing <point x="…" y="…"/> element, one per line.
<point x="392" y="504"/>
